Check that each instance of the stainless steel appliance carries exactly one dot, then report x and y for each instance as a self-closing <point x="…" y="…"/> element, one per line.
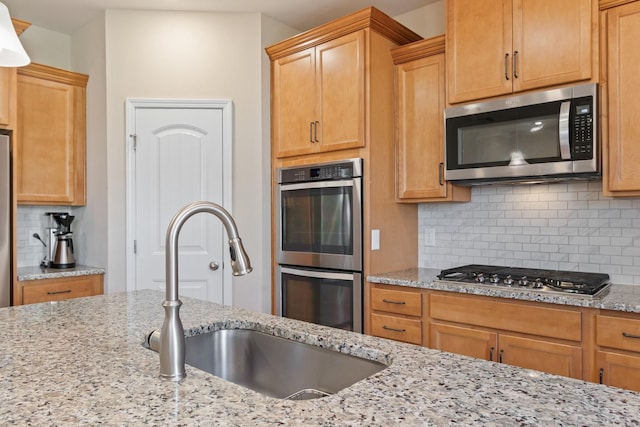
<point x="61" y="252"/>
<point x="6" y="263"/>
<point x="550" y="135"/>
<point x="585" y="285"/>
<point x="319" y="243"/>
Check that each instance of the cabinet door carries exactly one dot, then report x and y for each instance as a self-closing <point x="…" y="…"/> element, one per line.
<point x="340" y="82"/>
<point x="618" y="370"/>
<point x="478" y="49"/>
<point x="622" y="174"/>
<point x="477" y="343"/>
<point x="545" y="356"/>
<point x="51" y="144"/>
<point x="6" y="95"/>
<point x="551" y="42"/>
<point x="420" y="136"/>
<point x="294" y="103"/>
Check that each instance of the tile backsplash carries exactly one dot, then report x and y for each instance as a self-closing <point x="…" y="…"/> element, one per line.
<point x="562" y="226"/>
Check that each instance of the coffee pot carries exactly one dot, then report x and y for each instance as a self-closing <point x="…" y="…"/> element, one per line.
<point x="61" y="254"/>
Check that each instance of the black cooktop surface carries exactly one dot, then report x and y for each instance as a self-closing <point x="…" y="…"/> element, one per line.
<point x="584" y="284"/>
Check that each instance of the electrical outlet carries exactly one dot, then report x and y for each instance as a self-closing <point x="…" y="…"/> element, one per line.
<point x="375" y="240"/>
<point x="430" y="237"/>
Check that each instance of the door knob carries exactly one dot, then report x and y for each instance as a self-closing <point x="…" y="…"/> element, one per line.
<point x="214" y="265"/>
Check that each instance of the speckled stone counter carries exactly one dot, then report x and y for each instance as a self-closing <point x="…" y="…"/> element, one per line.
<point x="38" y="273"/>
<point x="81" y="362"/>
<point x="619" y="297"/>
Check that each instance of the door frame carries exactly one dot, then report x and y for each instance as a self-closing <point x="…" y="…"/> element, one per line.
<point x="131" y="105"/>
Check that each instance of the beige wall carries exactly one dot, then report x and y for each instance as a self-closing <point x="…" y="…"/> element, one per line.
<point x="428" y="21"/>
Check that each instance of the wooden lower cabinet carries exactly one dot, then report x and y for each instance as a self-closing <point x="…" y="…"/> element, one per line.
<point x="618" y="353"/>
<point x="46" y="290"/>
<point x="520" y="334"/>
<point x="396" y="313"/>
<point x="618" y="369"/>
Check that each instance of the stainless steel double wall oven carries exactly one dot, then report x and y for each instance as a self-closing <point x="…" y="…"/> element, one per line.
<point x="319" y="243"/>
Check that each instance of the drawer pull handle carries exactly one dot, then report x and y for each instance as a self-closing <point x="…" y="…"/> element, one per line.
<point x="388" y="328"/>
<point x="388" y="301"/>
<point x="59" y="292"/>
<point x="628" y="335"/>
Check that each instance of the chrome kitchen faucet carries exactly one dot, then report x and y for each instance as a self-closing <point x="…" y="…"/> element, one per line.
<point x="172" y="340"/>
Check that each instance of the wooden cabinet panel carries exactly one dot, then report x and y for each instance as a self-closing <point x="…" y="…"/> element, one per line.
<point x="620" y="88"/>
<point x="397" y="301"/>
<point x="530" y="44"/>
<point x="537" y="320"/>
<point x="478" y="343"/>
<point x="340" y="90"/>
<point x="7" y="94"/>
<point x="293" y="108"/>
<point x="420" y="103"/>
<point x="318" y="98"/>
<point x="553" y="42"/>
<point x="397" y="328"/>
<point x="51" y="141"/>
<point x="478" y="57"/>
<point x="541" y="355"/>
<point x="35" y="291"/>
<point x="619" y="370"/>
<point x="618" y="332"/>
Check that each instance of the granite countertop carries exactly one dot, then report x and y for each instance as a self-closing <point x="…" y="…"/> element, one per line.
<point x="81" y="361"/>
<point x="619" y="298"/>
<point x="38" y="273"/>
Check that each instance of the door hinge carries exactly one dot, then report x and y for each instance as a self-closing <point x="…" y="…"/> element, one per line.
<point x="134" y="137"/>
<point x="135" y="246"/>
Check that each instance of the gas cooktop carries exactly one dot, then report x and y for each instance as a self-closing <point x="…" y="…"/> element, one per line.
<point x="587" y="285"/>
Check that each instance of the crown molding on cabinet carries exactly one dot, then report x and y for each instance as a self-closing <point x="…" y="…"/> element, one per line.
<point x="419" y="49"/>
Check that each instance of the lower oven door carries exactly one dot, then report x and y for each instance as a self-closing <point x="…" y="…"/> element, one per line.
<point x="323" y="297"/>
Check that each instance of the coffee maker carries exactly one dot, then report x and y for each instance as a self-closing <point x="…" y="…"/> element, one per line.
<point x="61" y="253"/>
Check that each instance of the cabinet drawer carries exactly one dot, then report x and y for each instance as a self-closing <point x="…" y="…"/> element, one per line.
<point x="60" y="289"/>
<point x="515" y="317"/>
<point x="618" y="332"/>
<point x="395" y="301"/>
<point x="397" y="328"/>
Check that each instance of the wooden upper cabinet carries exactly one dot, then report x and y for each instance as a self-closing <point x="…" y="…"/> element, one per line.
<point x="318" y="97"/>
<point x="496" y="47"/>
<point x="322" y="82"/>
<point x="7" y="94"/>
<point x="621" y="112"/>
<point x="420" y="103"/>
<point x="51" y="141"/>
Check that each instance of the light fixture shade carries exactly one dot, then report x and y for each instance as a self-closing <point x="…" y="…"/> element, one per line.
<point x="12" y="53"/>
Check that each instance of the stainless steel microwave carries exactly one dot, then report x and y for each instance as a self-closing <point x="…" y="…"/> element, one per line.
<point x="542" y="136"/>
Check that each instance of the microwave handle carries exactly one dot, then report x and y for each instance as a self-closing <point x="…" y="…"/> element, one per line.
<point x="563" y="130"/>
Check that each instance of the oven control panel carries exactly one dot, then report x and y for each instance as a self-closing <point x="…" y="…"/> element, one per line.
<point x="321" y="172"/>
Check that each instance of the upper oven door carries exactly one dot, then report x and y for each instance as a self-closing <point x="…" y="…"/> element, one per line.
<point x="320" y="224"/>
<point x="548" y="133"/>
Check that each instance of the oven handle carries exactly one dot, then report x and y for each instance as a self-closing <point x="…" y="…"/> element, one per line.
<point x="563" y="130"/>
<point x="318" y="184"/>
<point x="317" y="274"/>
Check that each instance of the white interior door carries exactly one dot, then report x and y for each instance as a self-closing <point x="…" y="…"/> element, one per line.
<point x="177" y="159"/>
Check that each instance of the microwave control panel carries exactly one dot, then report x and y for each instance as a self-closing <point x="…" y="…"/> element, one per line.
<point x="583" y="129"/>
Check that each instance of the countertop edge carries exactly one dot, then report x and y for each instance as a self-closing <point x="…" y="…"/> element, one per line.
<point x="624" y="298"/>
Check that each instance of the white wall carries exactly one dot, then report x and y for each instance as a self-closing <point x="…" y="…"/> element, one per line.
<point x="47" y="47"/>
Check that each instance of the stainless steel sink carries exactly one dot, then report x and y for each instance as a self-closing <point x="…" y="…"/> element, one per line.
<point x="276" y="366"/>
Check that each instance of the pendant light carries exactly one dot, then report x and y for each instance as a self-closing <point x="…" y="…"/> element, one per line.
<point x="12" y="53"/>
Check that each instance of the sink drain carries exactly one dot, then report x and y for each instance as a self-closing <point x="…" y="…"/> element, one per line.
<point x="307" y="394"/>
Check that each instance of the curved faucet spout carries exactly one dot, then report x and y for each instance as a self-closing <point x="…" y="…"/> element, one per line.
<point x="172" y="333"/>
